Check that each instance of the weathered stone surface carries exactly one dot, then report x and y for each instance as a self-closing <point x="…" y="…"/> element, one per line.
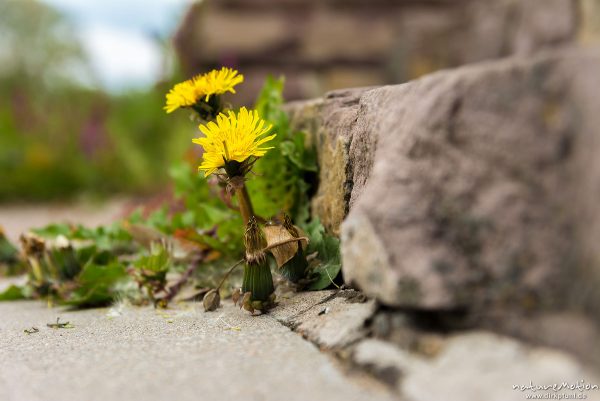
<point x="330" y="319"/>
<point x="473" y="188"/>
<point x="480" y="189"/>
<point x="472" y="367"/>
<point x="344" y="149"/>
<point x="322" y="45"/>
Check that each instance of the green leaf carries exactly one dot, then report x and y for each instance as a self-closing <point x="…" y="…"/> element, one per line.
<point x="269" y="102"/>
<point x="328" y="255"/>
<point x="53" y="230"/>
<point x="65" y="262"/>
<point x="279" y="185"/>
<point x="160" y="220"/>
<point x="87" y="253"/>
<point x="96" y="285"/>
<point x="12" y="293"/>
<point x="158" y="262"/>
<point x="326" y="274"/>
<point x="104" y="237"/>
<point x="8" y="252"/>
<point x="214" y="215"/>
<point x="296" y="152"/>
<point x="10" y="262"/>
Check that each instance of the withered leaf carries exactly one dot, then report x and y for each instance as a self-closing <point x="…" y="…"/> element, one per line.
<point x="282" y="253"/>
<point x="246" y="300"/>
<point x="59" y="325"/>
<point x="33" y="330"/>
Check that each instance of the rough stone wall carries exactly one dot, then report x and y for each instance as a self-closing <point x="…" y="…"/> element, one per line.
<point x="321" y="45"/>
<point x="473" y="189"/>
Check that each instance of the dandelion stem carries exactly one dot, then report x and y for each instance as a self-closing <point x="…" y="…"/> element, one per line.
<point x="245" y="203"/>
<point x="239" y="262"/>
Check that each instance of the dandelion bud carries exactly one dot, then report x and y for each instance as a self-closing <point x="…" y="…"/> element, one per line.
<point x="211" y="300"/>
<point x="254" y="242"/>
<point x="257" y="274"/>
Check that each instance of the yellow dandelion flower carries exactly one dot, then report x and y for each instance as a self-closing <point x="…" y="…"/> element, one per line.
<point x="232" y="138"/>
<point x="219" y="82"/>
<point x="183" y="94"/>
<point x="215" y="82"/>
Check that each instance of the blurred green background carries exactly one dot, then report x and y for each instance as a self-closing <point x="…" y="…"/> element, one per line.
<point x="65" y="131"/>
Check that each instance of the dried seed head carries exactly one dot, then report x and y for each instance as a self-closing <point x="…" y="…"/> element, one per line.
<point x="211" y="300"/>
<point x="237" y="293"/>
<point x="289" y="226"/>
<point x="254" y="242"/>
<point x="32" y="245"/>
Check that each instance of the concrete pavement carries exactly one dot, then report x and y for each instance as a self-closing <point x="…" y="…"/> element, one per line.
<point x="131" y="353"/>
